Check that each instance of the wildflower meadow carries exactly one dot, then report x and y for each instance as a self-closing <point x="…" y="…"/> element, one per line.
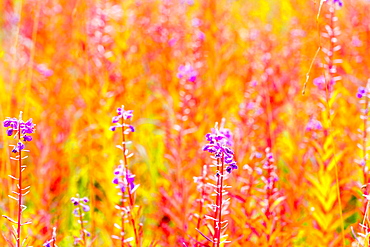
<point x="190" y="123"/>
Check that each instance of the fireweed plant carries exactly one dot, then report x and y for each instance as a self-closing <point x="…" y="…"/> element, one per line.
<point x="327" y="92"/>
<point x="331" y="75"/>
<point x="205" y="190"/>
<point x="219" y="146"/>
<point x="21" y="131"/>
<point x="79" y="211"/>
<point x="124" y="180"/>
<point x="362" y="95"/>
<point x="271" y="204"/>
<point x="363" y="237"/>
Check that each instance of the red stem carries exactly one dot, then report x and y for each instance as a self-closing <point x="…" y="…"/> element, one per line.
<point x="216" y="213"/>
<point x="220" y="201"/>
<point x="20" y="188"/>
<point x="200" y="209"/>
<point x="81" y="221"/>
<point x="122" y="221"/>
<point x="127" y="184"/>
<point x="364" y="146"/>
<point x="269" y="198"/>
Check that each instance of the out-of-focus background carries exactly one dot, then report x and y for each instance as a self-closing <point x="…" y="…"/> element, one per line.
<point x="181" y="66"/>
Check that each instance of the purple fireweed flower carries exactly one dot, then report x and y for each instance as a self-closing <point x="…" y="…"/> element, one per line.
<point x="44" y="70"/>
<point x="313" y="125"/>
<point x="88" y="234"/>
<point x="361" y="92"/>
<point x="48" y="243"/>
<point x="75" y="212"/>
<point x="219" y="142"/>
<point x="20" y="145"/>
<point x="229" y="159"/>
<point x="116" y="119"/>
<point x="228" y="135"/>
<point x="27" y="138"/>
<point x="125" y="115"/>
<point x="27" y="127"/>
<point x="187" y="72"/>
<point x="121" y="179"/>
<point x="231" y="166"/>
<point x="9" y="132"/>
<point x="319" y="82"/>
<point x="85" y="208"/>
<point x="80" y="205"/>
<point x="118" y="170"/>
<point x="80" y="201"/>
<point x="15" y="125"/>
<point x="11" y="122"/>
<point x="338" y="2"/>
<point x="75" y="201"/>
<point x="270" y="156"/>
<point x="201" y="35"/>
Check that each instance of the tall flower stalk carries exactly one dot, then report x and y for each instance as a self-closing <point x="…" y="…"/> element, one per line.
<point x="21" y="131"/>
<point x="205" y="189"/>
<point x="79" y="212"/>
<point x="223" y="156"/>
<point x="363" y="95"/>
<point x="363" y="237"/>
<point x="124" y="180"/>
<point x="331" y="77"/>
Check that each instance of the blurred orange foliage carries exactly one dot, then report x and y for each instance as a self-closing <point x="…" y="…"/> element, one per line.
<point x="183" y="65"/>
